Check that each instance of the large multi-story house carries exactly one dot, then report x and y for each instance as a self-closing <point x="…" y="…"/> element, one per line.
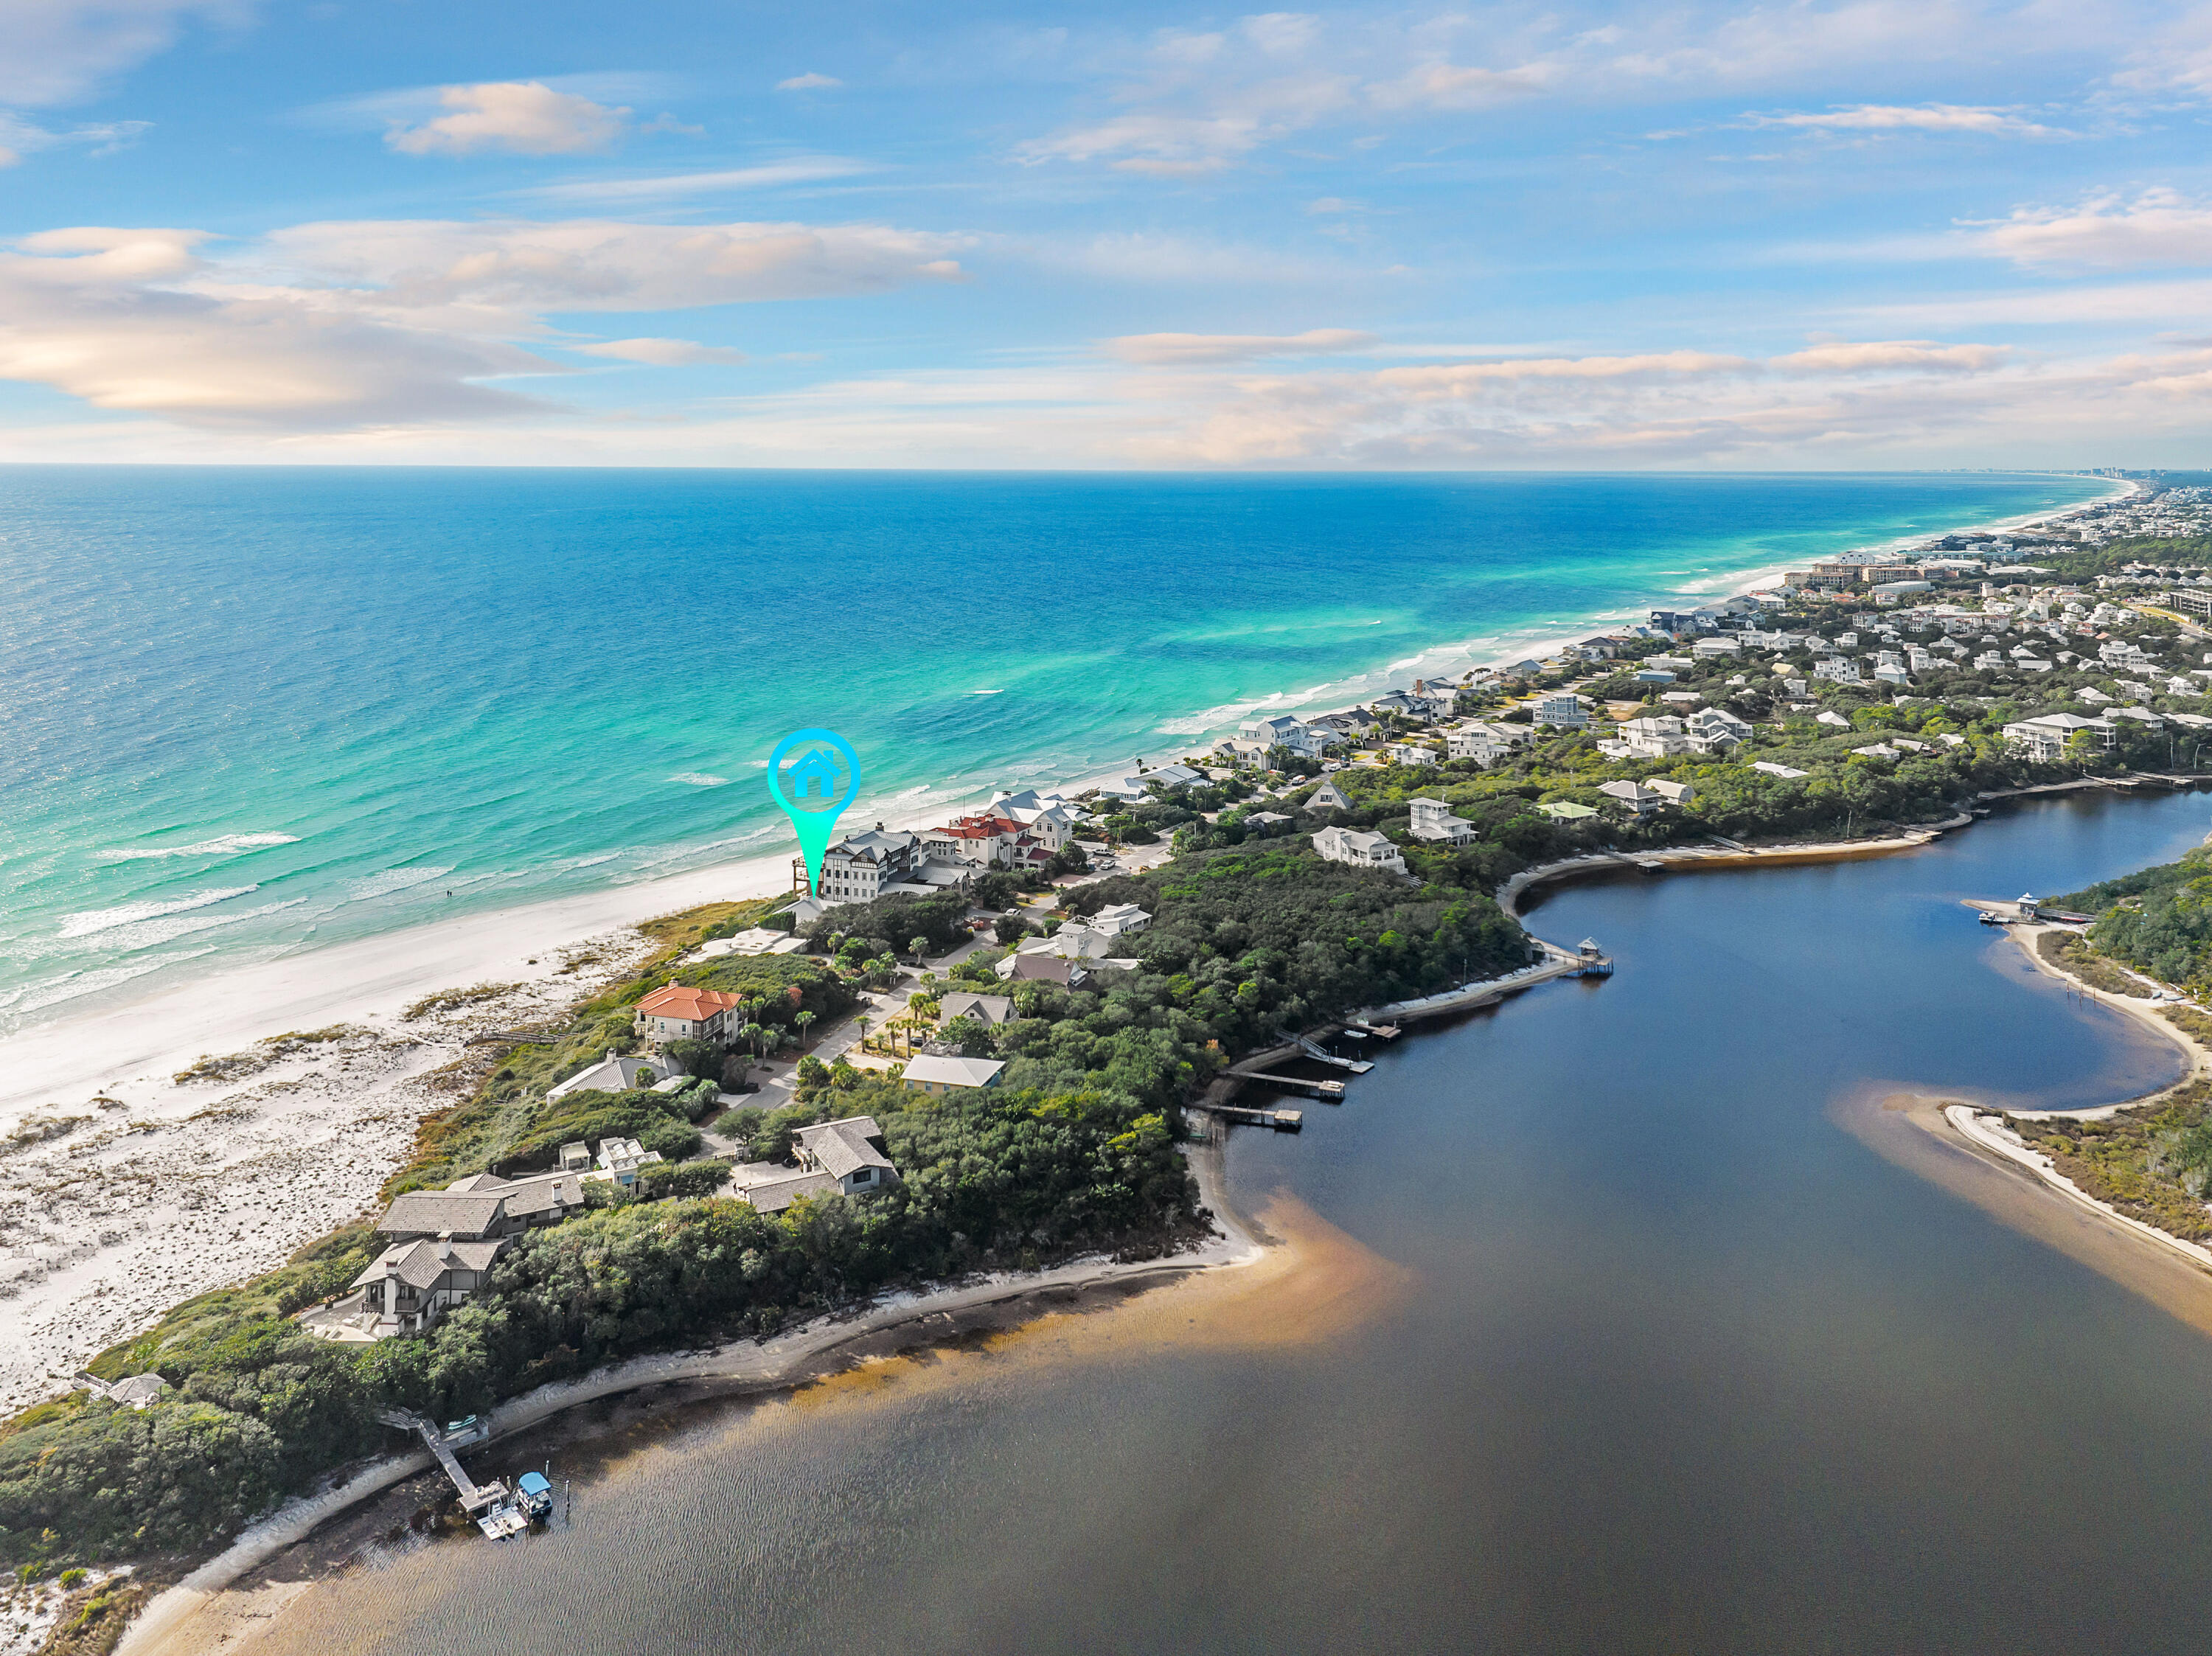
<point x="439" y="1248"/>
<point x="674" y="1012"/>
<point x="859" y="868"/>
<point x="987" y="840"/>
<point x="1343" y="844"/>
<point x="1433" y="819"/>
<point x="1051" y="819"/>
<point x="1283" y="731"/>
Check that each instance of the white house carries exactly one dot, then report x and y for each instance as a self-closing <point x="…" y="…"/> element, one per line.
<point x="1119" y="919"/>
<point x="1661" y="736"/>
<point x="1714" y="730"/>
<point x="2044" y="739"/>
<point x="1410" y="755"/>
<point x="1283" y="731"/>
<point x="1342" y="845"/>
<point x="619" y="1160"/>
<point x="1678" y="794"/>
<point x="1485" y="743"/>
<point x="1433" y="819"/>
<point x="1565" y="711"/>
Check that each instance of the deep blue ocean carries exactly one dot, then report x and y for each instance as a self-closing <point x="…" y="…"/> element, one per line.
<point x="244" y="711"/>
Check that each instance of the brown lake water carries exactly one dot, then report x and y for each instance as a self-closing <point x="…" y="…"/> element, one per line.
<point x="1605" y="1337"/>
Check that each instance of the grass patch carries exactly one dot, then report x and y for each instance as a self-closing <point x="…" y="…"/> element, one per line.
<point x="2148" y="1163"/>
<point x="93" y="1620"/>
<point x="2069" y="954"/>
<point x="235" y="1066"/>
<point x="453" y="1000"/>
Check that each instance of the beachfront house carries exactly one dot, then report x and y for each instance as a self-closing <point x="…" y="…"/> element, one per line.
<point x="139" y="1393"/>
<point x="929" y="1073"/>
<point x="1051" y="820"/>
<point x="1432" y="819"/>
<point x="611" y="1075"/>
<point x="439" y="1246"/>
<point x="1566" y="810"/>
<point x="673" y="1012"/>
<point x="1283" y="731"/>
<point x="859" y="867"/>
<point x="1369" y="850"/>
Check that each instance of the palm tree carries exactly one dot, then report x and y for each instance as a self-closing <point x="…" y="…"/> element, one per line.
<point x="863" y="1022"/>
<point x="802" y="1020"/>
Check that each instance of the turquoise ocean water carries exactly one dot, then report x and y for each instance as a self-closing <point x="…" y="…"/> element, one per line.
<point x="246" y="711"/>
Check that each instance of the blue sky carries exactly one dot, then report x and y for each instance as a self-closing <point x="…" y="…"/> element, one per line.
<point x="1730" y="236"/>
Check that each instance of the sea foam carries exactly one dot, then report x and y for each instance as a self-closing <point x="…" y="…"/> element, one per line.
<point x="228" y="844"/>
<point x="95" y="920"/>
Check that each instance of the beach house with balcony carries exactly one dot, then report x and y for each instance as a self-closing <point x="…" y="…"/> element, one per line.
<point x="861" y="867"/>
<point x="1432" y="819"/>
<point x="1358" y="850"/>
<point x="675" y="1012"/>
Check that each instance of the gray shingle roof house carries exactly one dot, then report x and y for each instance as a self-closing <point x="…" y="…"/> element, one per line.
<point x="837" y="1158"/>
<point x="989" y="1010"/>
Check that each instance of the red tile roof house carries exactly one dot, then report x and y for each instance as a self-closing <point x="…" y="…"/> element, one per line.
<point x="673" y="1012"/>
<point x="988" y="840"/>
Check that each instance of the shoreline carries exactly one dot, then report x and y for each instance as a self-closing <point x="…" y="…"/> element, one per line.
<point x="39" y="1061"/>
<point x="748" y="1369"/>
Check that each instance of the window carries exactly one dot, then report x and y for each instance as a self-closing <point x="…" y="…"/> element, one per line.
<point x="866" y="1176"/>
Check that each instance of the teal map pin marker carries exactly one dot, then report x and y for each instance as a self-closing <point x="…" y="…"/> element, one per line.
<point x="814" y="775"/>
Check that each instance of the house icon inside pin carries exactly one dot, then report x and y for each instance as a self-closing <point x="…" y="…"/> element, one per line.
<point x="813" y="778"/>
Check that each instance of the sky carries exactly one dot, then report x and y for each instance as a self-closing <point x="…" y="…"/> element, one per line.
<point x="1866" y="235"/>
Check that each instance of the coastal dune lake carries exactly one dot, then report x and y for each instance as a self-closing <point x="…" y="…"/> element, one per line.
<point x="1634" y="1348"/>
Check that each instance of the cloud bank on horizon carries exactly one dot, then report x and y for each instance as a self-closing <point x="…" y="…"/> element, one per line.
<point x="1858" y="233"/>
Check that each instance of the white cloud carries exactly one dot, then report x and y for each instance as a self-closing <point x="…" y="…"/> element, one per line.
<point x="661" y="353"/>
<point x="1191" y="103"/>
<point x="20" y="137"/>
<point x="2159" y="227"/>
<point x="809" y="83"/>
<point x="529" y="266"/>
<point x="1181" y="349"/>
<point x="109" y="316"/>
<point x="800" y="169"/>
<point x="524" y="117"/>
<point x="374" y="325"/>
<point x="52" y="51"/>
<point x="1917" y="118"/>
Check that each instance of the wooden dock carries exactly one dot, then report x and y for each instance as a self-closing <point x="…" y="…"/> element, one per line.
<point x="488" y="1504"/>
<point x="1280" y="1120"/>
<point x="1329" y="1092"/>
